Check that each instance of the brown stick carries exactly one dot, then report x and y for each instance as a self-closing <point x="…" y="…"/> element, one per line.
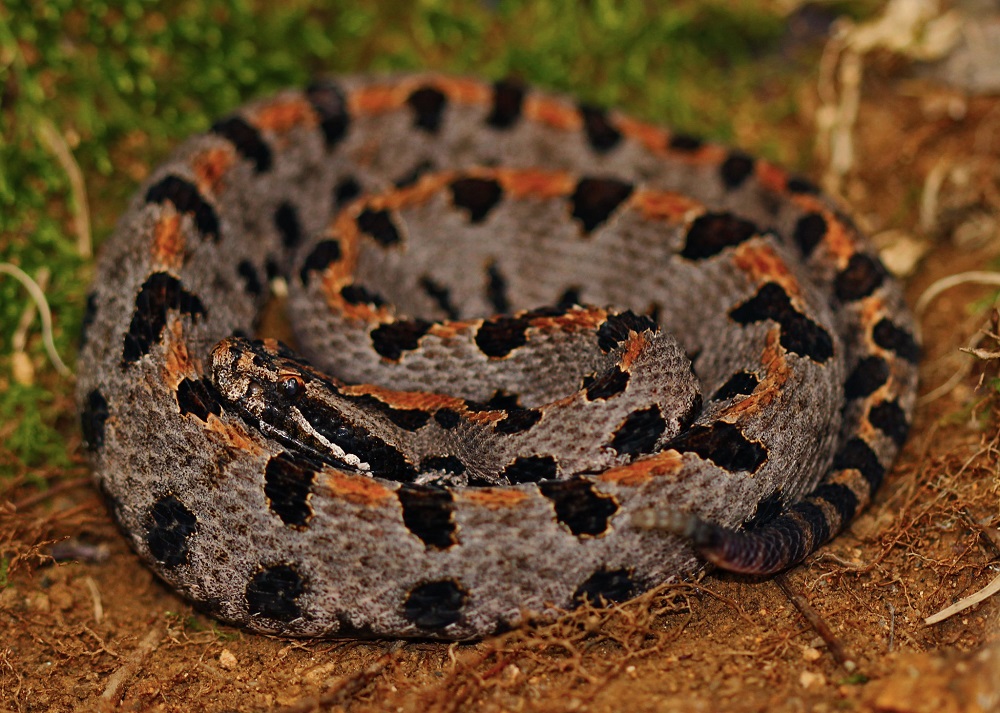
<point x="840" y="652"/>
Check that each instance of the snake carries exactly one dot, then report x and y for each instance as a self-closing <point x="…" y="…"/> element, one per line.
<point x="544" y="354"/>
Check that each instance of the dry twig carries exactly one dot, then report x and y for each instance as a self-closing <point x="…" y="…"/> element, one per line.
<point x="109" y="699"/>
<point x="837" y="648"/>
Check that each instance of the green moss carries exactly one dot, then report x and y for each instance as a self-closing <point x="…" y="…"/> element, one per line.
<point x="33" y="436"/>
<point x="855" y="679"/>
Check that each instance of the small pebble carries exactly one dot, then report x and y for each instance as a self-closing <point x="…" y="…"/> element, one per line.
<point x="227" y="660"/>
<point x="811" y="654"/>
<point x="808" y="679"/>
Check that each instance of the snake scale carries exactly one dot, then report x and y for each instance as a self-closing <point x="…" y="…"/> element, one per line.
<point x="605" y="354"/>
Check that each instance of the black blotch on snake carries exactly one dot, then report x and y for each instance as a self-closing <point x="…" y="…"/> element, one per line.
<point x="595" y="199"/>
<point x="324" y="253"/>
<point x="890" y="336"/>
<point x="435" y="605"/>
<point x="95" y="413"/>
<point x="508" y="98"/>
<point x="330" y="105"/>
<point x="617" y="327"/>
<point x="356" y="294"/>
<point x="392" y="339"/>
<point x="570" y="297"/>
<point x="409" y="419"/>
<point x="443" y="464"/>
<point x="517" y="420"/>
<point x="809" y="231"/>
<point x="346" y="190"/>
<point x="287" y="484"/>
<point x="428" y="513"/>
<point x="273" y="592"/>
<point x="606" y="586"/>
<point x="186" y="198"/>
<point x="286" y="220"/>
<point x="246" y="140"/>
<point x="816" y="523"/>
<point x="501" y="400"/>
<point x="723" y="444"/>
<point x="741" y="383"/>
<point x="170" y="524"/>
<point x="378" y="224"/>
<point x="499" y="336"/>
<point x="866" y="377"/>
<point x="446" y="418"/>
<point x="530" y="469"/>
<point x="801" y="186"/>
<point x="428" y="106"/>
<point x="856" y="454"/>
<point x="440" y="295"/>
<point x="579" y="506"/>
<point x="799" y="334"/>
<point x="685" y="143"/>
<point x="862" y="276"/>
<point x="160" y="293"/>
<point x="89" y="314"/>
<point x="601" y="134"/>
<point x="609" y="384"/>
<point x="496" y="288"/>
<point x="711" y="233"/>
<point x="251" y="280"/>
<point x="477" y="196"/>
<point x="890" y="418"/>
<point x="198" y="397"/>
<point x="639" y="432"/>
<point x="735" y="170"/>
<point x="841" y="497"/>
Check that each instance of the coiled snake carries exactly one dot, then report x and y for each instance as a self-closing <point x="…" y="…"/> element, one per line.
<point x="604" y="352"/>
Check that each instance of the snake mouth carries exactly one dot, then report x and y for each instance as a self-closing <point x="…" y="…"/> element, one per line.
<point x="274" y="391"/>
<point x="296" y="444"/>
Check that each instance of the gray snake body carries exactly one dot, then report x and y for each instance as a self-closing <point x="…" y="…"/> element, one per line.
<point x="523" y="450"/>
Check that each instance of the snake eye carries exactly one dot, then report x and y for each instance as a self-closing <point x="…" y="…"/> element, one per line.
<point x="292" y="387"/>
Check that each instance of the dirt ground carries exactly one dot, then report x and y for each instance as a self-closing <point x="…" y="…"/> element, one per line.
<point x="96" y="630"/>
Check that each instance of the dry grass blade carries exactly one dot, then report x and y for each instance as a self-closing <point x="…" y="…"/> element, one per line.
<point x="55" y="142"/>
<point x="38" y="295"/>
<point x="962" y="604"/>
<point x="975" y="277"/>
